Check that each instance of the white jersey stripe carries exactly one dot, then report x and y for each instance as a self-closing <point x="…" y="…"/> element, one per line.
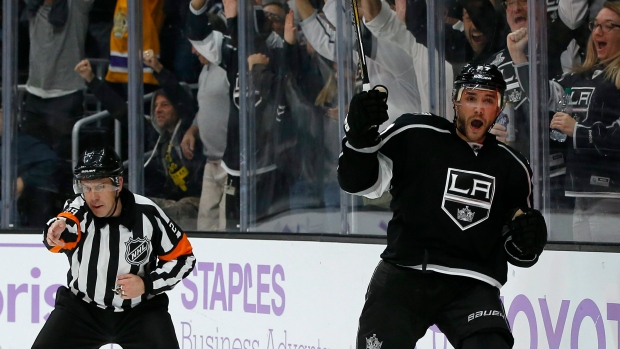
<point x="457" y="271"/>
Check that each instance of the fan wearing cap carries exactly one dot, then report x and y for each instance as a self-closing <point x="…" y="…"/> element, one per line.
<point x="173" y="180"/>
<point x="462" y="210"/>
<point x="124" y="252"/>
<point x="270" y="112"/>
<point x="211" y="123"/>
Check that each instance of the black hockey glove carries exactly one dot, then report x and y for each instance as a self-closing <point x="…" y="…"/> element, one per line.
<point x="528" y="231"/>
<point x="367" y="111"/>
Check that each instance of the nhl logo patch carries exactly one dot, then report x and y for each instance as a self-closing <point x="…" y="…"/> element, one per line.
<point x="467" y="197"/>
<point x="137" y="251"/>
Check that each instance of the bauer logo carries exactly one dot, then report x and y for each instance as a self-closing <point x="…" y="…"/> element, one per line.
<point x="481" y="77"/>
<point x="482" y="313"/>
<point x="468" y="197"/>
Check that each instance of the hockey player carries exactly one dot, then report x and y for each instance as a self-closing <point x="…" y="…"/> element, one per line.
<point x="462" y="209"/>
<point x="124" y="253"/>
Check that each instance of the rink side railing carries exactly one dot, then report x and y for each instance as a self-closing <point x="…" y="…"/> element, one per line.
<point x="352" y="239"/>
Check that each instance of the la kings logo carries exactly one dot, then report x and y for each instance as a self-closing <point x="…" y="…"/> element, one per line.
<point x="137" y="251"/>
<point x="373" y="342"/>
<point x="467" y="197"/>
<point x="580" y="99"/>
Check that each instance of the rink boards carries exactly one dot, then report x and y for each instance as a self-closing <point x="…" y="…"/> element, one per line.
<point x="269" y="294"/>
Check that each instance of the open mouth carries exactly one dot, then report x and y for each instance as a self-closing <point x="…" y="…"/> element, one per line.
<point x="477" y="37"/>
<point x="476" y="124"/>
<point x="520" y="20"/>
<point x="600" y="45"/>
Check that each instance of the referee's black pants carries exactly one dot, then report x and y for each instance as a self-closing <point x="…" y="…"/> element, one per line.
<point x="76" y="324"/>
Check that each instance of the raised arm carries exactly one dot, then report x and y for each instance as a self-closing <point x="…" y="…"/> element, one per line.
<point x="319" y="33"/>
<point x="110" y="100"/>
<point x="358" y="164"/>
<point x="305" y="9"/>
<point x="384" y="24"/>
<point x="182" y="99"/>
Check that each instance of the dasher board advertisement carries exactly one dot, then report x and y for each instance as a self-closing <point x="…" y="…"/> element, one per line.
<point x="266" y="294"/>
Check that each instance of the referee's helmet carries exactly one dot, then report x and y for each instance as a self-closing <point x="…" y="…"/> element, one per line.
<point x="98" y="163"/>
<point x="480" y="76"/>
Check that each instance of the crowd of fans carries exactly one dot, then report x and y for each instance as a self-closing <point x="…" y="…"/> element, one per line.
<point x="193" y="172"/>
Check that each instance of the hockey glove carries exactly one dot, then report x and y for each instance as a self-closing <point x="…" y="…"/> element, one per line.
<point x="367" y="111"/>
<point x="528" y="231"/>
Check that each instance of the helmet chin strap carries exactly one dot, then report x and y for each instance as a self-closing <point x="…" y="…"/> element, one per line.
<point x="456" y="113"/>
<point x="494" y="121"/>
<point x="118" y="196"/>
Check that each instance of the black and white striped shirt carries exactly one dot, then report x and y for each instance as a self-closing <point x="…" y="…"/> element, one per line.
<point x="141" y="241"/>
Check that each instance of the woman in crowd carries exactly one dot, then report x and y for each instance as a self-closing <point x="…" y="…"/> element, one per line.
<point x="593" y="127"/>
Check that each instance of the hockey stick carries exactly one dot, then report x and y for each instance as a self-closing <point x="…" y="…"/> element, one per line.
<point x="360" y="50"/>
<point x="360" y="46"/>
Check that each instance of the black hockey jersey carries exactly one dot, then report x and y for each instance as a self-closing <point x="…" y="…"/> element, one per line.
<point x="516" y="99"/>
<point x="449" y="204"/>
<point x="593" y="159"/>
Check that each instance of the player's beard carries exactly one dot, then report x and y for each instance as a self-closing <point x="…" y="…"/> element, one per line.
<point x="462" y="125"/>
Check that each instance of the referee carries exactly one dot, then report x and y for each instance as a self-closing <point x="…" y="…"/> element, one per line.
<point x="124" y="253"/>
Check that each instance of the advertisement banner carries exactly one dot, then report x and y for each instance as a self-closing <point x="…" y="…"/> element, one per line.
<point x="263" y="294"/>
